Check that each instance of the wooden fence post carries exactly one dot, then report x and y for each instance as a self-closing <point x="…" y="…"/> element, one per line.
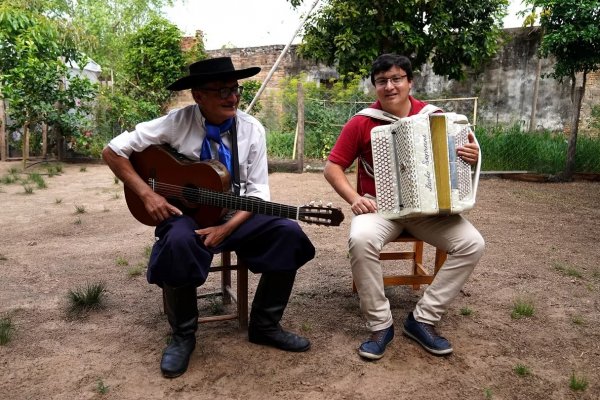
<point x="300" y="130"/>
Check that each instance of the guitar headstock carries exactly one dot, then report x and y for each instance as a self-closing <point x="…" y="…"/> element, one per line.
<point x="321" y="215"/>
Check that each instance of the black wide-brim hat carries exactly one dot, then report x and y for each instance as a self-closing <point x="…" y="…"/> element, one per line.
<point x="210" y="70"/>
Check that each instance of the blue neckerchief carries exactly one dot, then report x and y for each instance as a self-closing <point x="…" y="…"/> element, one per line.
<point x="213" y="132"/>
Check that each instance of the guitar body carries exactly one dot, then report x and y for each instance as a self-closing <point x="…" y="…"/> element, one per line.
<point x="177" y="174"/>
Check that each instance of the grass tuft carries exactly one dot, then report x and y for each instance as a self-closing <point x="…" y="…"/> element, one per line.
<point x="466" y="311"/>
<point x="137" y="270"/>
<point x="522" y="370"/>
<point x="122" y="261"/>
<point x="38" y="180"/>
<point x="566" y="270"/>
<point x="86" y="298"/>
<point x="522" y="308"/>
<point x="488" y="394"/>
<point x="578" y="320"/>
<point x="215" y="304"/>
<point x="7" y="329"/>
<point x="101" y="387"/>
<point x="578" y="383"/>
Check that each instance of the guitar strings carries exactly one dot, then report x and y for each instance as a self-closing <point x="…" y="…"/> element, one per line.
<point x="222" y="199"/>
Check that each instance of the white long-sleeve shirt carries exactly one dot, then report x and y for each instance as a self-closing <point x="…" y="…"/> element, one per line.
<point x="183" y="129"/>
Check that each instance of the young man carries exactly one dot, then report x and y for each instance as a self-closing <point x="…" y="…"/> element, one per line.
<point x="391" y="75"/>
<point x="184" y="250"/>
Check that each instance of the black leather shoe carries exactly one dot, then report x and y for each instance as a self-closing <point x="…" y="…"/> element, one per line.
<point x="279" y="339"/>
<point x="176" y="357"/>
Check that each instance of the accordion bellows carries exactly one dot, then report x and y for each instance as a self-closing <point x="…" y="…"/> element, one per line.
<point x="416" y="169"/>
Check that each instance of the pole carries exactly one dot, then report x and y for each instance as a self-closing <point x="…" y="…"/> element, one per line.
<point x="300" y="128"/>
<point x="278" y="61"/>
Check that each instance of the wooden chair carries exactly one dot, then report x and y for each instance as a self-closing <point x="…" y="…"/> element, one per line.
<point x="239" y="296"/>
<point x="419" y="274"/>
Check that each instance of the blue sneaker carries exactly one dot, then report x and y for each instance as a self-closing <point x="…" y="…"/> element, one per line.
<point x="426" y="336"/>
<point x="374" y="347"/>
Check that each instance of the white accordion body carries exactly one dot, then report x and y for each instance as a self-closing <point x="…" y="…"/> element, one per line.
<point x="416" y="169"/>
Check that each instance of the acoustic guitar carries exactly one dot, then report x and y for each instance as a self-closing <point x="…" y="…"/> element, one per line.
<point x="201" y="189"/>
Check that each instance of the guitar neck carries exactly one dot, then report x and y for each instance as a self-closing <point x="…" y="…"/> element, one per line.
<point x="252" y="204"/>
<point x="206" y="197"/>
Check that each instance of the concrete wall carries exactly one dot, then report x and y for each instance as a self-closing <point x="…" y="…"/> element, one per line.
<point x="506" y="86"/>
<point x="504" y="89"/>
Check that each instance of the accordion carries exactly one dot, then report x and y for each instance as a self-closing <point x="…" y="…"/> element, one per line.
<point x="416" y="169"/>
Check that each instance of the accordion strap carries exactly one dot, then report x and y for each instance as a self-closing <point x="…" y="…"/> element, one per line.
<point x="386" y="116"/>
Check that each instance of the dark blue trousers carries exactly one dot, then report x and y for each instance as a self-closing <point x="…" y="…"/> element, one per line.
<point x="267" y="244"/>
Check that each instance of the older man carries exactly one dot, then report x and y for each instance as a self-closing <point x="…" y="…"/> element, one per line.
<point x="184" y="250"/>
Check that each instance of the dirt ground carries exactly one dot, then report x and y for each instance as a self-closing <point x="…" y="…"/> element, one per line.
<point x="541" y="249"/>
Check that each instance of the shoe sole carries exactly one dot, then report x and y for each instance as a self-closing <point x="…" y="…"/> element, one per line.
<point x="429" y="349"/>
<point x="269" y="344"/>
<point x="370" y="356"/>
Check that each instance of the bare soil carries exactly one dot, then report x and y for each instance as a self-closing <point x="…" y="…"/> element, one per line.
<point x="541" y="249"/>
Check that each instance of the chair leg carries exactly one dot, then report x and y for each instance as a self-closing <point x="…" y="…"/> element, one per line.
<point x="440" y="259"/>
<point x="226" y="277"/>
<point x="242" y="295"/>
<point x="417" y="261"/>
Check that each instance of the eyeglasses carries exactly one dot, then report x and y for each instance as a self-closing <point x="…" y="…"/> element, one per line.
<point x="226" y="91"/>
<point x="396" y="81"/>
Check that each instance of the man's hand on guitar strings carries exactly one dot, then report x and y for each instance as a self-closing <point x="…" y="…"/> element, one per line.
<point x="159" y="208"/>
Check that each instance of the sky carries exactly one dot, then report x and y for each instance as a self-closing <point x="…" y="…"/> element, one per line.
<point x="251" y="23"/>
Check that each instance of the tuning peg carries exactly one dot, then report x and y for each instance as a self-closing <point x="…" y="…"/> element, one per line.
<point x="329" y="205"/>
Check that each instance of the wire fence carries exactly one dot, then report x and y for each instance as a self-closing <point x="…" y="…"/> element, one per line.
<point x="504" y="148"/>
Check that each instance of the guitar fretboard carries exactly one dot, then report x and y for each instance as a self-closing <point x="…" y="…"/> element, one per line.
<point x="230" y="201"/>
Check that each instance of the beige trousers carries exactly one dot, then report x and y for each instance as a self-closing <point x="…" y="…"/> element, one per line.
<point x="370" y="232"/>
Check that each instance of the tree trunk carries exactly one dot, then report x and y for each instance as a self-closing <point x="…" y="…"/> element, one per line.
<point x="300" y="142"/>
<point x="25" y="144"/>
<point x="44" y="139"/>
<point x="3" y="141"/>
<point x="577" y="99"/>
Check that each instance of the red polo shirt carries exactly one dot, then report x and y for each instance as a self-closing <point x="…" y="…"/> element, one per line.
<point x="355" y="141"/>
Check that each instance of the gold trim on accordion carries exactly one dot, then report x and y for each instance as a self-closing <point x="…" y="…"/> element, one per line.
<point x="416" y="169"/>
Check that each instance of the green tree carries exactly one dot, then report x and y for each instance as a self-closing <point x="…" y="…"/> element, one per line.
<point x="572" y="36"/>
<point x="109" y="23"/>
<point x="36" y="47"/>
<point x="198" y="50"/>
<point x="453" y="34"/>
<point x="153" y="59"/>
